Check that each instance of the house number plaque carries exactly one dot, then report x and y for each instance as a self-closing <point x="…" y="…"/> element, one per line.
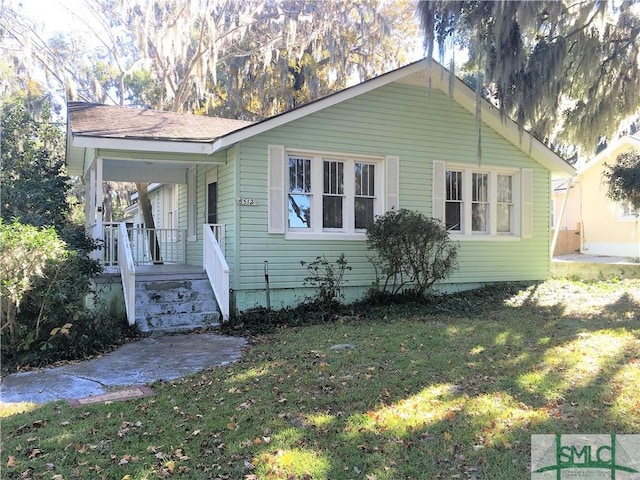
<point x="246" y="201"/>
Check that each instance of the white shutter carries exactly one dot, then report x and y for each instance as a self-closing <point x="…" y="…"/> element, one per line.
<point x="276" y="198"/>
<point x="438" y="190"/>
<point x="392" y="183"/>
<point x="527" y="203"/>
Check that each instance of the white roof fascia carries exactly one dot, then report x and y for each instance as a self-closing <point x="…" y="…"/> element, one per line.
<point x="165" y="146"/>
<point x="631" y="140"/>
<point x="228" y="140"/>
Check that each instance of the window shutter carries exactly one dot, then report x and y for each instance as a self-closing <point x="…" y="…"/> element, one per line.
<point x="438" y="190"/>
<point x="392" y="179"/>
<point x="527" y="203"/>
<point x="276" y="198"/>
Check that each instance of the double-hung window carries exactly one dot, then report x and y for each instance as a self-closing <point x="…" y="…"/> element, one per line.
<point x="482" y="202"/>
<point x="299" y="192"/>
<point x="331" y="195"/>
<point x="328" y="195"/>
<point x="365" y="194"/>
<point x="504" y="206"/>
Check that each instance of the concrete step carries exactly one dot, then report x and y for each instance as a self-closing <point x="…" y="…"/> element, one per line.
<point x="170" y="308"/>
<point x="170" y="303"/>
<point x="172" y="291"/>
<point x="178" y="322"/>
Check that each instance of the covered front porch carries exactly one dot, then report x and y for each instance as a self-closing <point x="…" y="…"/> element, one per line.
<point x="133" y="250"/>
<point x="140" y="254"/>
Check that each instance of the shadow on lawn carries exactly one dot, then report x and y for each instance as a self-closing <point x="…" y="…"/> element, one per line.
<point x="450" y="389"/>
<point x="451" y="396"/>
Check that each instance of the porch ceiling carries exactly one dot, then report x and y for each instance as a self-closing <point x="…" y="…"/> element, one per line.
<point x="146" y="171"/>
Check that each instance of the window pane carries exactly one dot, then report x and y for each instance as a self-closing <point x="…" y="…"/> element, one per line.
<point x="505" y="188"/>
<point x="372" y="178"/>
<point x="299" y="175"/>
<point x="365" y="179"/>
<point x="504" y="218"/>
<point x="479" y="217"/>
<point x="480" y="187"/>
<point x="331" y="212"/>
<point x="453" y="218"/>
<point x="364" y="212"/>
<point x="334" y="178"/>
<point x="299" y="211"/>
<point x="454" y="185"/>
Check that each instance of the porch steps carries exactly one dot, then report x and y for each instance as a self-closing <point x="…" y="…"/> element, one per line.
<point x="175" y="302"/>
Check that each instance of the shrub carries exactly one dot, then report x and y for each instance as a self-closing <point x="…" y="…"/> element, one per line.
<point x="45" y="286"/>
<point x="328" y="279"/>
<point x="25" y="252"/>
<point x="413" y="251"/>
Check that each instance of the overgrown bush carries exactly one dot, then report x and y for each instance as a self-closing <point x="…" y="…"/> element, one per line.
<point x="414" y="252"/>
<point x="45" y="287"/>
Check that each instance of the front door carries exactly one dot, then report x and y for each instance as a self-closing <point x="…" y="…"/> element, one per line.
<point x="212" y="196"/>
<point x="212" y="202"/>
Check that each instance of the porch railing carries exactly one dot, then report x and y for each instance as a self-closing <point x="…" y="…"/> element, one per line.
<point x="148" y="246"/>
<point x="110" y="248"/>
<point x="158" y="245"/>
<point x="127" y="272"/>
<point x="216" y="267"/>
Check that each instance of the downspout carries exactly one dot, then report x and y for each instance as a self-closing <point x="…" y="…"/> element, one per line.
<point x="556" y="232"/>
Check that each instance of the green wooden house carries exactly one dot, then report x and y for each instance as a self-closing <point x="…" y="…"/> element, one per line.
<point x="306" y="183"/>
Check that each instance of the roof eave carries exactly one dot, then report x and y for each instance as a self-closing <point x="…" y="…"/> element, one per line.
<point x="203" y="147"/>
<point x="630" y="140"/>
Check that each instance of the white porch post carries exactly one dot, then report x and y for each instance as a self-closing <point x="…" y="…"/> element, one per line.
<point x="93" y="207"/>
<point x="90" y="201"/>
<point x="99" y="232"/>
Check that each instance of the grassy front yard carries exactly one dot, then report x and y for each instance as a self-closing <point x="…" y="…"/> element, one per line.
<point x="453" y="390"/>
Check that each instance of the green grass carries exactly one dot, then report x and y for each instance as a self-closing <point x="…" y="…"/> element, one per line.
<point x="449" y="390"/>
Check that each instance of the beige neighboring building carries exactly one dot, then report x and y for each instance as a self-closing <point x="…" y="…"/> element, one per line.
<point x="602" y="226"/>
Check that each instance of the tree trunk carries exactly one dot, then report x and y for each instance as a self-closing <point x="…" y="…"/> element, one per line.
<point x="149" y="223"/>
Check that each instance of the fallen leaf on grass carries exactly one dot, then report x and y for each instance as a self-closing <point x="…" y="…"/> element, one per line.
<point x="11" y="462"/>
<point x="34" y="453"/>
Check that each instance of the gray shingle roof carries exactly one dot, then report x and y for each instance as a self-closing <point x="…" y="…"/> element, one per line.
<point x="106" y="121"/>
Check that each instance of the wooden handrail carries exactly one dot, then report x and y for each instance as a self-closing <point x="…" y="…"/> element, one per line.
<point x="127" y="273"/>
<point x="217" y="269"/>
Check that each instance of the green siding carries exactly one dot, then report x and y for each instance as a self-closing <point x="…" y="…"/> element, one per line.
<point x="194" y="247"/>
<point x="416" y="125"/>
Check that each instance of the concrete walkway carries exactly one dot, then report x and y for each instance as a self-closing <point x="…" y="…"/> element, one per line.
<point x="165" y="357"/>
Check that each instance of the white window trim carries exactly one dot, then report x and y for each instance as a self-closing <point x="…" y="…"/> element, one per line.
<point x="519" y="202"/>
<point x="348" y="231"/>
<point x="386" y="189"/>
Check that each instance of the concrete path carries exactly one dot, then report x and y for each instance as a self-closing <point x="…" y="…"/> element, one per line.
<point x="165" y="357"/>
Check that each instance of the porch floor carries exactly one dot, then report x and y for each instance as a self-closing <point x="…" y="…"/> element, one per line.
<point x="164" y="269"/>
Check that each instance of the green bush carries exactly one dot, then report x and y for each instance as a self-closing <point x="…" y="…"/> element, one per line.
<point x="414" y="252"/>
<point x="328" y="279"/>
<point x="45" y="288"/>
